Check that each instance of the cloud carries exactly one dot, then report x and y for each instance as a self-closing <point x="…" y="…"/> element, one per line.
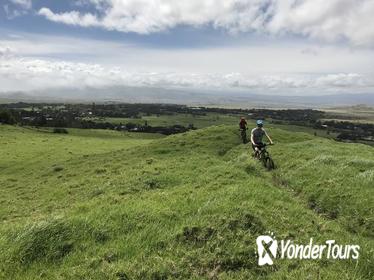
<point x="25" y="4"/>
<point x="32" y="62"/>
<point x="28" y="74"/>
<point x="5" y="51"/>
<point x="71" y="18"/>
<point x="18" y="8"/>
<point x="331" y="21"/>
<point x="342" y="80"/>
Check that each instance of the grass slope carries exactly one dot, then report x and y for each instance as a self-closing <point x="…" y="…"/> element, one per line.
<point x="184" y="206"/>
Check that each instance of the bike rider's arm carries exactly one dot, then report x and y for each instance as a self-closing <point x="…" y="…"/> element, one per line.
<point x="253" y="142"/>
<point x="268" y="137"/>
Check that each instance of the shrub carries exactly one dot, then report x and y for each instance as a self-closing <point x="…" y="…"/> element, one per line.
<point x="60" y="130"/>
<point x="52" y="240"/>
<point x="7" y="117"/>
<point x="48" y="240"/>
<point x="58" y="168"/>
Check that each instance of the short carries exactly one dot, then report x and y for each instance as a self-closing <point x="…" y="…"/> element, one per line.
<point x="258" y="145"/>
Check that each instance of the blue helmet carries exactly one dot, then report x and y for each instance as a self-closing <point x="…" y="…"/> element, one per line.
<point x="260" y="122"/>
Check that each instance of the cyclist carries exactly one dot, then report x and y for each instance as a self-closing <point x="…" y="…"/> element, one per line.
<point x="243" y="123"/>
<point x="256" y="136"/>
<point x="243" y="129"/>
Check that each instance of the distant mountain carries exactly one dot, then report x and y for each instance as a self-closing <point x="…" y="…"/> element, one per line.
<point x="189" y="97"/>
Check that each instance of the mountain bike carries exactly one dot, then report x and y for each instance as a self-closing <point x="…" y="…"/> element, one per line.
<point x="264" y="156"/>
<point x="243" y="134"/>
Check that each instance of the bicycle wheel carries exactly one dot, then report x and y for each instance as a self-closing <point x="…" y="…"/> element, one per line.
<point x="258" y="155"/>
<point x="244" y="137"/>
<point x="264" y="160"/>
<point x="270" y="164"/>
<point x="263" y="156"/>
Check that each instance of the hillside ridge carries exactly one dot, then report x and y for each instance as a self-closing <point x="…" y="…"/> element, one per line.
<point x="152" y="210"/>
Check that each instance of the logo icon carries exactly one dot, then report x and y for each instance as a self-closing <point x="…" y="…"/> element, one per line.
<point x="267" y="249"/>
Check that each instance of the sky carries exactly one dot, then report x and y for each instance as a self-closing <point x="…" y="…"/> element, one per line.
<point x="285" y="47"/>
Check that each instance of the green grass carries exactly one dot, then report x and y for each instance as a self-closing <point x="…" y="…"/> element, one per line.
<point x="27" y="147"/>
<point x="305" y="129"/>
<point x="188" y="206"/>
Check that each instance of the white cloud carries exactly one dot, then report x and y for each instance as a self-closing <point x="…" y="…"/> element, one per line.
<point x="343" y="80"/>
<point x="28" y="74"/>
<point x="19" y="8"/>
<point x="71" y="18"/>
<point x="26" y="4"/>
<point x="5" y="51"/>
<point x="36" y="62"/>
<point x="269" y="58"/>
<point x="331" y="20"/>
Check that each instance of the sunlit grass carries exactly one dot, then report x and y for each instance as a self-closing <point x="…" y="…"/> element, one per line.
<point x="191" y="205"/>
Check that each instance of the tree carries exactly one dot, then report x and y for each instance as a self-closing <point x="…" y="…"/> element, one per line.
<point x="7" y="117"/>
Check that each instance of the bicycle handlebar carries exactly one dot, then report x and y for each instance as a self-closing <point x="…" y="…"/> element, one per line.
<point x="267" y="144"/>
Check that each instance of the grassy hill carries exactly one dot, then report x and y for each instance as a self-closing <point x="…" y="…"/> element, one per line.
<point x="106" y="205"/>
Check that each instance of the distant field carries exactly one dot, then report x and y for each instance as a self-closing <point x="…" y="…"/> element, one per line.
<point x="211" y="119"/>
<point x="356" y="119"/>
<point x="177" y="119"/>
<point x="6" y="101"/>
<point x="360" y="114"/>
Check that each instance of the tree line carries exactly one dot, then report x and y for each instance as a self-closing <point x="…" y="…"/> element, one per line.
<point x="80" y="116"/>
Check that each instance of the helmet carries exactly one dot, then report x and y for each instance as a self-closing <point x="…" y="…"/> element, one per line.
<point x="260" y="122"/>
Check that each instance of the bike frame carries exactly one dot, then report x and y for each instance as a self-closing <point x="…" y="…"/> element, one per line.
<point x="243" y="134"/>
<point x="264" y="156"/>
<point x="263" y="152"/>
